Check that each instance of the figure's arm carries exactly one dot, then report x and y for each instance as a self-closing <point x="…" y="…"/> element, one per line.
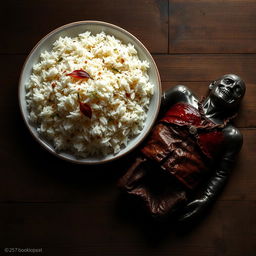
<point x="233" y="141"/>
<point x="179" y="93"/>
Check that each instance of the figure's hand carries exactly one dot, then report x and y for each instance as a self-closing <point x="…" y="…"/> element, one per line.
<point x="193" y="209"/>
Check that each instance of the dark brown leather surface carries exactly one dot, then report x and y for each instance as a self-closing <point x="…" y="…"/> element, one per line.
<point x="142" y="180"/>
<point x="178" y="153"/>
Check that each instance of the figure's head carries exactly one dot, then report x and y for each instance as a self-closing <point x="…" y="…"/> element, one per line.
<point x="227" y="91"/>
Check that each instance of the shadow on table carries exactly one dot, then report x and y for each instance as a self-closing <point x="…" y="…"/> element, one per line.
<point x="155" y="230"/>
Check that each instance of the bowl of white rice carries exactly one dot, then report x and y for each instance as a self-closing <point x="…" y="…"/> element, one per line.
<point x="89" y="92"/>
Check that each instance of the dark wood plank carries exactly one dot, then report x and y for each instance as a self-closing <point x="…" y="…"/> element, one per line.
<point x="212" y="26"/>
<point x="95" y="229"/>
<point x="26" y="22"/>
<point x="205" y="67"/>
<point x="247" y="114"/>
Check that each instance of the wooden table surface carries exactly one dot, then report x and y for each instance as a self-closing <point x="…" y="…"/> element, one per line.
<point x="67" y="209"/>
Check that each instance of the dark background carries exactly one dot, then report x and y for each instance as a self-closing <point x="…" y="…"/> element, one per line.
<point x="67" y="209"/>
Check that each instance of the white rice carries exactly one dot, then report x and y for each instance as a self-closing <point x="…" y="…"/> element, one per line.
<point x="119" y="94"/>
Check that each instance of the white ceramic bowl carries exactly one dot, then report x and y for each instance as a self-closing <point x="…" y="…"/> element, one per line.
<point x="73" y="29"/>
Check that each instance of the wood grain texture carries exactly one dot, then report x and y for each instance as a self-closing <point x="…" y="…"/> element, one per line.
<point x="205" y="67"/>
<point x="212" y="26"/>
<point x="25" y="22"/>
<point x="91" y="229"/>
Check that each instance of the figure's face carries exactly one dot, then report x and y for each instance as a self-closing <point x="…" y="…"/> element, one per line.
<point x="228" y="90"/>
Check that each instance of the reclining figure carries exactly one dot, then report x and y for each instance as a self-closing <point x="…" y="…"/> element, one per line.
<point x="184" y="163"/>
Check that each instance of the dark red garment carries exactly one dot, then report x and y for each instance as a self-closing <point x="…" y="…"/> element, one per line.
<point x="183" y="143"/>
<point x="176" y="156"/>
<point x="183" y="114"/>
